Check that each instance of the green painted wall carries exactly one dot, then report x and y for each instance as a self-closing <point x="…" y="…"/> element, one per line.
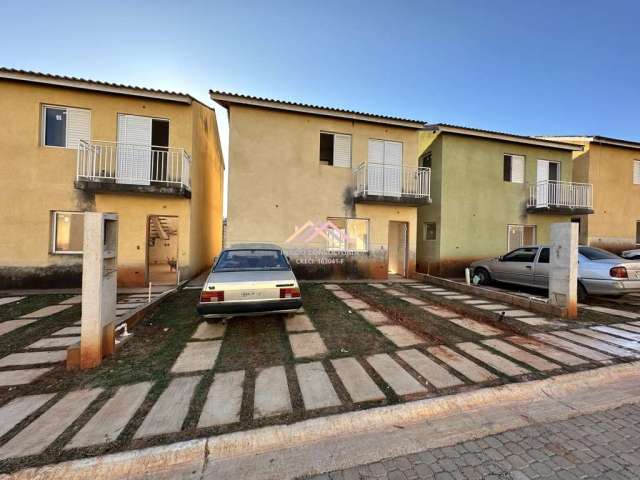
<point x="472" y="205"/>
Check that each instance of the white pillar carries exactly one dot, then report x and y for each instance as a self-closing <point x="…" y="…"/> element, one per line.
<point x="563" y="267"/>
<point x="99" y="287"/>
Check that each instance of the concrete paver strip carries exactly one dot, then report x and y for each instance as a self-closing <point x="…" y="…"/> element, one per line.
<point x="477" y="327"/>
<point x="7" y="300"/>
<point x="492" y="306"/>
<point x="443" y="293"/>
<point x="593" y="343"/>
<point x="126" y="306"/>
<point x="20" y="408"/>
<point x="636" y="324"/>
<point x="436" y="375"/>
<point x="307" y="345"/>
<point x="67" y="331"/>
<point x="33" y="358"/>
<point x="197" y="356"/>
<point x="374" y="317"/>
<point x="107" y="425"/>
<point x="394" y="375"/>
<point x="39" y="434"/>
<point x="518" y="313"/>
<point x="209" y="331"/>
<point x="75" y="300"/>
<point x="10" y="378"/>
<point x="377" y="285"/>
<point x="271" y="393"/>
<point x="11" y="325"/>
<point x="457" y="297"/>
<point x="461" y="364"/>
<point x="499" y="363"/>
<point x="594" y="355"/>
<point x="476" y="302"/>
<point x="394" y="292"/>
<point x="315" y="385"/>
<point x="400" y="336"/>
<point x="168" y="413"/>
<point x="332" y="286"/>
<point x="356" y="381"/>
<point x="522" y="356"/>
<point x="613" y="311"/>
<point x="605" y="337"/>
<point x="356" y="304"/>
<point x="549" y="352"/>
<point x="413" y="301"/>
<point x="224" y="400"/>
<point x="299" y="323"/>
<point x="618" y="332"/>
<point x="441" y="312"/>
<point x="628" y="327"/>
<point x="534" y="321"/>
<point x="47" y="311"/>
<point x="342" y="294"/>
<point x="54" y="342"/>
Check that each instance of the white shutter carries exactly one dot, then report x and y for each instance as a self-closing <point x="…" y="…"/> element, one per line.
<point x="375" y="167"/>
<point x="134" y="149"/>
<point x="78" y="126"/>
<point x="342" y="150"/>
<point x="636" y="172"/>
<point x="517" y="169"/>
<point x="543" y="171"/>
<point x="393" y="169"/>
<point x="376" y="151"/>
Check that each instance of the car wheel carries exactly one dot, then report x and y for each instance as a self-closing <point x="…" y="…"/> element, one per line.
<point x="582" y="293"/>
<point x="483" y="276"/>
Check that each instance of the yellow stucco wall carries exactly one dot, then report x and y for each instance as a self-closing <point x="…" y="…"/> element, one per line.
<point x="42" y="180"/>
<point x="276" y="182"/>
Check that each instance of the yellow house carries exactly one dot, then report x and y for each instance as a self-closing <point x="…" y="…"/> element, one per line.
<point x="72" y="145"/>
<point x="337" y="189"/>
<point x="613" y="167"/>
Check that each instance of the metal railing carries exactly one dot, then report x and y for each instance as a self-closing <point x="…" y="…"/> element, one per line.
<point x="554" y="193"/>
<point x="392" y="180"/>
<point x="133" y="164"/>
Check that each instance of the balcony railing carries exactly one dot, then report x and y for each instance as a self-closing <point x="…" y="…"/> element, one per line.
<point x="133" y="164"/>
<point x="371" y="179"/>
<point x="556" y="194"/>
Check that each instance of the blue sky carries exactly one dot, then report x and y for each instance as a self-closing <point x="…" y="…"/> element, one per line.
<point x="527" y="67"/>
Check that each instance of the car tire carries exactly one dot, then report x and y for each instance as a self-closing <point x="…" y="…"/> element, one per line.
<point x="582" y="293"/>
<point x="484" y="278"/>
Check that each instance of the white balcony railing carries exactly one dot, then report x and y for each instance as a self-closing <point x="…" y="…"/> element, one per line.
<point x="133" y="164"/>
<point x="553" y="193"/>
<point x="392" y="181"/>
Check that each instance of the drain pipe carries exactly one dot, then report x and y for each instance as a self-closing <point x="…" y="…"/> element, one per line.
<point x="149" y="295"/>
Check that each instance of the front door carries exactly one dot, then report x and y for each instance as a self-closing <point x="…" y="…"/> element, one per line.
<point x="398" y="248"/>
<point x="162" y="250"/>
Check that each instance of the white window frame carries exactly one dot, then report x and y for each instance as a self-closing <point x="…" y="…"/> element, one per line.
<point x="368" y="245"/>
<point x="43" y="121"/>
<point x="635" y="175"/>
<point x="54" y="229"/>
<point x="522" y="227"/>
<point x="524" y="167"/>
<point x="333" y="160"/>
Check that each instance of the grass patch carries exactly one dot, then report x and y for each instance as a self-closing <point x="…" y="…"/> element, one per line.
<point x="14" y="310"/>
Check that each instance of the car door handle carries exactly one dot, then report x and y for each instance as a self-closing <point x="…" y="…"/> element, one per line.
<point x="528" y="266"/>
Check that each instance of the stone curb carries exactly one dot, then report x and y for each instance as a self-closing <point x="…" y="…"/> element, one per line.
<point x="188" y="459"/>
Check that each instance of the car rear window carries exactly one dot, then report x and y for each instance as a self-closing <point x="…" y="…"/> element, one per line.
<point x="593" y="253"/>
<point x="241" y="260"/>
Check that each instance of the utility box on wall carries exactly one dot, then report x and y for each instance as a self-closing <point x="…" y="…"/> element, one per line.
<point x="99" y="287"/>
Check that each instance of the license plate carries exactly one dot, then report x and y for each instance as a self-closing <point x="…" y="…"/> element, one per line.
<point x="250" y="294"/>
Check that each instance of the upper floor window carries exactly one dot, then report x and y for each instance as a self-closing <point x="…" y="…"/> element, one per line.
<point x="520" y="236"/>
<point x="513" y="168"/>
<point x="335" y="149"/>
<point x="64" y="126"/>
<point x="67" y="232"/>
<point x="426" y="160"/>
<point x="429" y="231"/>
<point x="636" y="172"/>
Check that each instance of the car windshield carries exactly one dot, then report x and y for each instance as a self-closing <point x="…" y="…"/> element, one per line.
<point x="596" y="253"/>
<point x="241" y="260"/>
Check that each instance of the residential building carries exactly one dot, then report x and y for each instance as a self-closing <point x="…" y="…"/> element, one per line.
<point x="491" y="193"/>
<point x="337" y="189"/>
<point x="613" y="167"/>
<point x="71" y="145"/>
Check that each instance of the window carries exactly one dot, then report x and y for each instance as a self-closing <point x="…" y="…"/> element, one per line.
<point x="513" y="168"/>
<point x="520" y="235"/>
<point x="429" y="231"/>
<point x="349" y="234"/>
<point x="335" y="149"/>
<point x="593" y="253"/>
<point x="68" y="232"/>
<point x="65" y="127"/>
<point x="426" y="160"/>
<point x="636" y="172"/>
<point x="522" y="255"/>
<point x="241" y="260"/>
<point x="544" y="255"/>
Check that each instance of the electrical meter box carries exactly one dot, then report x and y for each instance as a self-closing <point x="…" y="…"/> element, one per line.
<point x="99" y="287"/>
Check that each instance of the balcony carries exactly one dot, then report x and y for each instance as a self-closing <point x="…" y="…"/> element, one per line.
<point x="127" y="167"/>
<point x="392" y="184"/>
<point x="553" y="196"/>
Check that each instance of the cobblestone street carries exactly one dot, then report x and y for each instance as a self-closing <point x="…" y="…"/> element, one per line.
<point x="605" y="445"/>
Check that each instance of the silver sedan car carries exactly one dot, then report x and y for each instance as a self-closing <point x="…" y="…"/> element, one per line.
<point x="599" y="272"/>
<point x="250" y="279"/>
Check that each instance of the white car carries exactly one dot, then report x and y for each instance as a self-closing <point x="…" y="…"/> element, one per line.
<point x="250" y="279"/>
<point x="631" y="254"/>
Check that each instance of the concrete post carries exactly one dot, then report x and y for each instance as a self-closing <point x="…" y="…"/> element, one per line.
<point x="99" y="287"/>
<point x="563" y="267"/>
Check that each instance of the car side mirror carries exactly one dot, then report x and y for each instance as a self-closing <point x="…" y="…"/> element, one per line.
<point x="500" y="259"/>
